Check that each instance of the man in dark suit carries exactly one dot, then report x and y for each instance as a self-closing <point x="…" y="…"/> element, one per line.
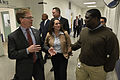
<point x="56" y="14"/>
<point x="81" y="23"/>
<point x="44" y="26"/>
<point x="81" y="20"/>
<point x="76" y="26"/>
<point x="25" y="45"/>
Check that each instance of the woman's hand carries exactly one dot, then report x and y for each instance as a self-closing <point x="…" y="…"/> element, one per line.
<point x="69" y="49"/>
<point x="52" y="51"/>
<point x="65" y="55"/>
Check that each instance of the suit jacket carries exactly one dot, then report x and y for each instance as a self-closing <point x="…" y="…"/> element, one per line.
<point x="81" y="21"/>
<point x="74" y="26"/>
<point x="17" y="45"/>
<point x="44" y="29"/>
<point x="65" y="24"/>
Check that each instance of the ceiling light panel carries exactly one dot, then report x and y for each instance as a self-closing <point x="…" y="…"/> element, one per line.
<point x="89" y="3"/>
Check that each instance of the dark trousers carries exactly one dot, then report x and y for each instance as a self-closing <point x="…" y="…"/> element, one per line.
<point x="80" y="28"/>
<point x="38" y="73"/>
<point x="76" y="30"/>
<point x="59" y="63"/>
<point x="46" y="57"/>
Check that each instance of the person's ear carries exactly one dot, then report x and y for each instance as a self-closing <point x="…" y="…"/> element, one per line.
<point x="21" y="19"/>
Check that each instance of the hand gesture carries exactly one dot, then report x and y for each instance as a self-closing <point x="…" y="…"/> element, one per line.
<point x="34" y="48"/>
<point x="66" y="55"/>
<point x="52" y="51"/>
<point x="70" y="51"/>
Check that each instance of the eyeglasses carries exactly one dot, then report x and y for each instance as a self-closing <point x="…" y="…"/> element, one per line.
<point x="28" y="17"/>
<point x="57" y="23"/>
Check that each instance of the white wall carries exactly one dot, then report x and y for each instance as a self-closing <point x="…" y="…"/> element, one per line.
<point x="113" y="19"/>
<point x="112" y="15"/>
<point x="17" y="3"/>
<point x="76" y="11"/>
<point x="37" y="11"/>
<point x="64" y="7"/>
<point x="12" y="4"/>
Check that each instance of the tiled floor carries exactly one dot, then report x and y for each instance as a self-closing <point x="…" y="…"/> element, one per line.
<point x="7" y="66"/>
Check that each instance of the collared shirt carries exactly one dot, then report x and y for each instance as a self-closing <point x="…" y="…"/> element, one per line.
<point x="59" y="18"/>
<point x="57" y="45"/>
<point x="25" y="34"/>
<point x="76" y="22"/>
<point x="79" y="18"/>
<point x="45" y="21"/>
<point x="96" y="27"/>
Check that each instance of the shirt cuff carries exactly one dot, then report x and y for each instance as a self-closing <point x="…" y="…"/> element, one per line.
<point x="27" y="50"/>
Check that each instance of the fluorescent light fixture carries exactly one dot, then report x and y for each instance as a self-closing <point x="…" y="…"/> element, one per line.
<point x="90" y="3"/>
<point x="91" y="6"/>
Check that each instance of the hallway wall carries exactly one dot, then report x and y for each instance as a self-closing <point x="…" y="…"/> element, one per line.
<point x="36" y="9"/>
<point x="113" y="19"/>
<point x="64" y="7"/>
<point x="39" y="9"/>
